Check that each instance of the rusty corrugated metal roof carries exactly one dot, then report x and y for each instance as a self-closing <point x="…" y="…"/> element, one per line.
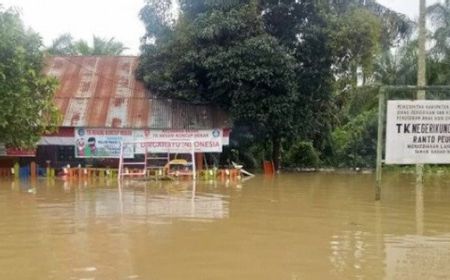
<point x="101" y="91"/>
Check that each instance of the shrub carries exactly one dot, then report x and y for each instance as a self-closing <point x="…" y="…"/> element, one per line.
<point x="354" y="144"/>
<point x="302" y="154"/>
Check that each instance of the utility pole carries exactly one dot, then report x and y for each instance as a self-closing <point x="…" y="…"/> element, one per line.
<point x="421" y="68"/>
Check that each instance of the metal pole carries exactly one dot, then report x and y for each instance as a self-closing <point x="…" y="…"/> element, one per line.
<point x="381" y="113"/>
<point x="421" y="69"/>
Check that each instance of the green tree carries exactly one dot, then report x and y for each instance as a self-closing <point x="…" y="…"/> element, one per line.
<point x="330" y="41"/>
<point x="62" y="45"/>
<point x="278" y="66"/>
<point x="26" y="95"/>
<point x="395" y="26"/>
<point x="219" y="53"/>
<point x="439" y="14"/>
<point x="303" y="29"/>
<point x="397" y="66"/>
<point x="158" y="19"/>
<point x="438" y="60"/>
<point x="65" y="45"/>
<point x="356" y="42"/>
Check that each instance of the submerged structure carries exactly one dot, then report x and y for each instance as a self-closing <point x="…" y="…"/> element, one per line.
<point x="102" y="105"/>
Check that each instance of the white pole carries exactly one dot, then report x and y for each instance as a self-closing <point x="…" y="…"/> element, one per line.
<point x="194" y="169"/>
<point x="421" y="68"/>
<point x="145" y="161"/>
<point x="119" y="172"/>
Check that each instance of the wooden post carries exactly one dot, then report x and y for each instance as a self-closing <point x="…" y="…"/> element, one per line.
<point x="380" y="139"/>
<point x="199" y="158"/>
<point x="33" y="169"/>
<point x="16" y="170"/>
<point x="47" y="171"/>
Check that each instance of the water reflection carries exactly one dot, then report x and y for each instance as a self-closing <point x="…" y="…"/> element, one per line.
<point x="165" y="200"/>
<point x="400" y="246"/>
<point x="304" y="226"/>
<point x="417" y="257"/>
<point x="419" y="207"/>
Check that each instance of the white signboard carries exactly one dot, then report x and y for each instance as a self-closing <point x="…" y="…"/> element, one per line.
<point x="418" y="132"/>
<point x="179" y="141"/>
<point x="105" y="143"/>
<point x="102" y="143"/>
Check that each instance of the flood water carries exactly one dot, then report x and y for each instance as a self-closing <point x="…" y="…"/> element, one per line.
<point x="303" y="226"/>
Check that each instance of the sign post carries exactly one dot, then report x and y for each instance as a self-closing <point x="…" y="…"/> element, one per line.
<point x="105" y="142"/>
<point x="381" y="117"/>
<point x="417" y="131"/>
<point x="421" y="68"/>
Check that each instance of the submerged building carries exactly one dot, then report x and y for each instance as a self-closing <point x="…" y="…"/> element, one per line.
<point x="102" y="104"/>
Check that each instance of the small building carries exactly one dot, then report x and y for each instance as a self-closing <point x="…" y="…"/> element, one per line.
<point x="102" y="104"/>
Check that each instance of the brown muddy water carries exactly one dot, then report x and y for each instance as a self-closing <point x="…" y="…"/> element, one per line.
<point x="304" y="226"/>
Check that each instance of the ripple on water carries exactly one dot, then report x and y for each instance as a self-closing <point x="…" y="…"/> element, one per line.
<point x="417" y="257"/>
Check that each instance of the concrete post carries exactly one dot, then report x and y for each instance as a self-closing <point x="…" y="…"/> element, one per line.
<point x="421" y="68"/>
<point x="380" y="139"/>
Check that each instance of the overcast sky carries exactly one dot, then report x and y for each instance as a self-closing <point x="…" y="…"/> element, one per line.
<point x="84" y="18"/>
<point x="408" y="7"/>
<point x="114" y="18"/>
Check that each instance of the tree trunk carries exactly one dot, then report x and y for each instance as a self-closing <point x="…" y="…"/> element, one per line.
<point x="276" y="152"/>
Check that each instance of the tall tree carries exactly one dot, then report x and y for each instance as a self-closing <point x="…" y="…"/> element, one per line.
<point x="110" y="46"/>
<point x="330" y="39"/>
<point x="303" y="28"/>
<point x="158" y="19"/>
<point x="397" y="66"/>
<point x="218" y="52"/>
<point x="439" y="14"/>
<point x="395" y="26"/>
<point x="26" y="95"/>
<point x="269" y="62"/>
<point x="62" y="45"/>
<point x="65" y="45"/>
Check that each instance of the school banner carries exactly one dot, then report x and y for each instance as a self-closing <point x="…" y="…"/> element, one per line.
<point x="105" y="143"/>
<point x="418" y="132"/>
<point x="16" y="152"/>
<point x="179" y="141"/>
<point x="102" y="143"/>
